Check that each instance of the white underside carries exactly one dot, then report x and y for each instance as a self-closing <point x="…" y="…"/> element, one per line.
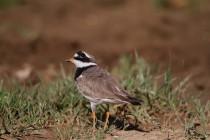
<point x="96" y="101"/>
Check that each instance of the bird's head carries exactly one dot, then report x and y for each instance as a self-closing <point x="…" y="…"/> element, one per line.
<point x="82" y="59"/>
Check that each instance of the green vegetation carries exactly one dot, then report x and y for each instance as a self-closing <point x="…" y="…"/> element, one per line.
<point x="176" y="4"/>
<point x="9" y="3"/>
<point x="60" y="106"/>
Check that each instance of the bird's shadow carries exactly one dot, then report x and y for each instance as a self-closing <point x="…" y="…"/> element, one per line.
<point x="120" y="123"/>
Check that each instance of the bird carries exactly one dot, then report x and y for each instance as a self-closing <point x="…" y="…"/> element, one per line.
<point x="98" y="85"/>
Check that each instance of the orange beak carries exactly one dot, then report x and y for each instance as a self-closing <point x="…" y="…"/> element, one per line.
<point x="70" y="60"/>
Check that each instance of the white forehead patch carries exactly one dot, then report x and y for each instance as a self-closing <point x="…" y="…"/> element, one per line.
<point x="76" y="55"/>
<point x="87" y="54"/>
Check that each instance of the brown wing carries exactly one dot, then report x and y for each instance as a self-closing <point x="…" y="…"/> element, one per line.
<point x="99" y="84"/>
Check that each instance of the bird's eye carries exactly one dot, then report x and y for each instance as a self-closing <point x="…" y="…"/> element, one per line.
<point x="82" y="55"/>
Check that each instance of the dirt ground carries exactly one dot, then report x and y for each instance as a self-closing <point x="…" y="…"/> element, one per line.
<point x="37" y="36"/>
<point x="164" y="134"/>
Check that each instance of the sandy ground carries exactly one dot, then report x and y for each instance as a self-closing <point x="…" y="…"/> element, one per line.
<point x="165" y="134"/>
<point x="158" y="134"/>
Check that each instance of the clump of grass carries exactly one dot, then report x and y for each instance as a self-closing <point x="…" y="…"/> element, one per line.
<point x="197" y="126"/>
<point x="61" y="106"/>
<point x="165" y="99"/>
<point x="23" y="107"/>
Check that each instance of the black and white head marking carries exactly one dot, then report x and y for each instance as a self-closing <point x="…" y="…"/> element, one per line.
<point x="83" y="59"/>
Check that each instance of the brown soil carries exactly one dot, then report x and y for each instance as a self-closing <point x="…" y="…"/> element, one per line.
<point x="37" y="36"/>
<point x="157" y="134"/>
<point x="165" y="134"/>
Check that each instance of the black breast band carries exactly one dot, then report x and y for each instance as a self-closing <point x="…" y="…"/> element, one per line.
<point x="80" y="70"/>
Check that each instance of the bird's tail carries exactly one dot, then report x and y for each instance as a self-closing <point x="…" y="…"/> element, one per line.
<point x="134" y="101"/>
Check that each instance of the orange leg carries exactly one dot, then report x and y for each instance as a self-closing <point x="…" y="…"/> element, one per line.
<point x="107" y="119"/>
<point x="94" y="120"/>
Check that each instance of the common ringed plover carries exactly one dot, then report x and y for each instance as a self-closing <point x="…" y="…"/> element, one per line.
<point x="98" y="85"/>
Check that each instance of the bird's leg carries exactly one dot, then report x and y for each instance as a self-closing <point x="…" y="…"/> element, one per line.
<point x="93" y="107"/>
<point x="107" y="119"/>
<point x="94" y="120"/>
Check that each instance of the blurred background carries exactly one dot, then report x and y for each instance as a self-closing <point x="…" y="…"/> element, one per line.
<point x="37" y="36"/>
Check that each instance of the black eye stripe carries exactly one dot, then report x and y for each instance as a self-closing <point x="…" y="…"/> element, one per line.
<point x="85" y="59"/>
<point x="81" y="54"/>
